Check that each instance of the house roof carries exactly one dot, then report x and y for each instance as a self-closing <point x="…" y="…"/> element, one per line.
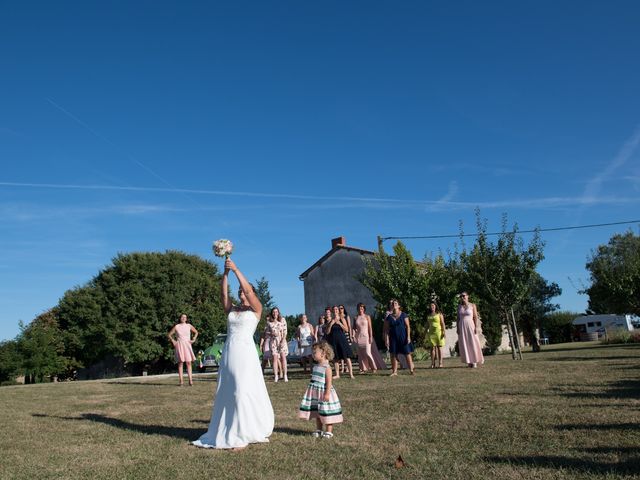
<point x="335" y="248"/>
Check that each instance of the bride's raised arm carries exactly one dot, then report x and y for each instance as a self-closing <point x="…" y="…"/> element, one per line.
<point x="246" y="287"/>
<point x="224" y="291"/>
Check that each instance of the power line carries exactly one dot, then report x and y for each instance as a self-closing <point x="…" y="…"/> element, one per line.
<point x="555" y="229"/>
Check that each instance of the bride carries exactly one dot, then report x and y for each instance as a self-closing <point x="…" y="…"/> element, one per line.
<point x="242" y="412"/>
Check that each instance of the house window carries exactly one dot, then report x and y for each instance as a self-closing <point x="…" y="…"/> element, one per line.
<point x="590" y="324"/>
<point x="598" y="324"/>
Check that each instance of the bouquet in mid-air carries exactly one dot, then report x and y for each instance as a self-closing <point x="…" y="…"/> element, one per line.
<point x="222" y="248"/>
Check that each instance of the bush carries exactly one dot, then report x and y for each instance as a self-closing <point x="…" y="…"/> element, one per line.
<point x="622" y="336"/>
<point x="558" y="326"/>
<point x="420" y="354"/>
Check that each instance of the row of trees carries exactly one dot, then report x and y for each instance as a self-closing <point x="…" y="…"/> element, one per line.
<point x="125" y="311"/>
<point x="122" y="314"/>
<point x="502" y="278"/>
<point x="500" y="275"/>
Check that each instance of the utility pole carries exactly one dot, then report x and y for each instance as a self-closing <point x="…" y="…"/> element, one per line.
<point x="380" y="246"/>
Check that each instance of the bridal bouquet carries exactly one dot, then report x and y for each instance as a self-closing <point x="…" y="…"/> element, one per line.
<point x="222" y="248"/>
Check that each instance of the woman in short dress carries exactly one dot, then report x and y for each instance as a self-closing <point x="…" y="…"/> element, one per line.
<point x="305" y="335"/>
<point x="435" y="334"/>
<point x="322" y="323"/>
<point x="279" y="346"/>
<point x="397" y="334"/>
<point x="182" y="345"/>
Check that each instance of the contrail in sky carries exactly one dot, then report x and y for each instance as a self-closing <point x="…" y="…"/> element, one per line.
<point x="105" y="139"/>
<point x="548" y="202"/>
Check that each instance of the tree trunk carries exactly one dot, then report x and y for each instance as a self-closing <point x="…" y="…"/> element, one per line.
<point x="515" y="333"/>
<point x="510" y="333"/>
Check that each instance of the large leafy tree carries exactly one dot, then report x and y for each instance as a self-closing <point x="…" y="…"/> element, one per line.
<point x="501" y="274"/>
<point x="41" y="347"/>
<point x="10" y="361"/>
<point x="615" y="276"/>
<point x="393" y="276"/>
<point x="398" y="276"/>
<point x="128" y="308"/>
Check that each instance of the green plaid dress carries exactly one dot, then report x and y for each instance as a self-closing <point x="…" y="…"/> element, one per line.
<point x="313" y="404"/>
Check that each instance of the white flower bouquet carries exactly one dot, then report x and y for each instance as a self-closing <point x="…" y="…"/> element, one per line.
<point x="222" y="248"/>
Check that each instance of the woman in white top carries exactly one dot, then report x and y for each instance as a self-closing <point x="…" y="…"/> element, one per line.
<point x="306" y="336"/>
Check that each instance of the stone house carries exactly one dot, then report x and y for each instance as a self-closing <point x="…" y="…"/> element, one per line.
<point x="333" y="280"/>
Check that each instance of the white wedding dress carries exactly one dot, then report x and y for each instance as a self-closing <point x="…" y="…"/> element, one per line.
<point x="242" y="412"/>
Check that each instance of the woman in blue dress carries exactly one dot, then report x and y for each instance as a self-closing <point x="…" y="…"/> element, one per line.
<point x="397" y="336"/>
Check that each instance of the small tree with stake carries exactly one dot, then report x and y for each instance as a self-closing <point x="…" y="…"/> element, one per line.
<point x="502" y="272"/>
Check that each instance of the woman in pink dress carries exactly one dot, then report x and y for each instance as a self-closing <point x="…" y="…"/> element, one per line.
<point x="182" y="345"/>
<point x="468" y="328"/>
<point x="364" y="337"/>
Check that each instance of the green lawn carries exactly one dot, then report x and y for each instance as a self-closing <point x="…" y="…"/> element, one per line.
<point x="571" y="411"/>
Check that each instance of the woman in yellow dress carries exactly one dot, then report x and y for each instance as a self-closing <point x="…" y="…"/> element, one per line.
<point x="435" y="334"/>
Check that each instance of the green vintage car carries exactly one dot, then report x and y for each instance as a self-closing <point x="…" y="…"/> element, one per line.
<point x="211" y="357"/>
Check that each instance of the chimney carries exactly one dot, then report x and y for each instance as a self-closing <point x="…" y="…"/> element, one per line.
<point x="338" y="242"/>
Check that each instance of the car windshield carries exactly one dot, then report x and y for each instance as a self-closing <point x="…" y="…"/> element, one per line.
<point x="220" y="338"/>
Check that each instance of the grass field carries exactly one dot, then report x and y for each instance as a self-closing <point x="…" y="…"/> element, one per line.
<point x="571" y="411"/>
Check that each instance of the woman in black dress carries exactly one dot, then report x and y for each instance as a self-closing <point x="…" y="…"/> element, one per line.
<point x="337" y="330"/>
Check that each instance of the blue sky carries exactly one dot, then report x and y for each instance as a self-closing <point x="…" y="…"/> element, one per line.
<point x="147" y="126"/>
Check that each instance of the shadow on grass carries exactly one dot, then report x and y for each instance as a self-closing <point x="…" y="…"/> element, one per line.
<point x="157" y="384"/>
<point x="599" y="426"/>
<point x="143" y="384"/>
<point x="587" y="465"/>
<point x="579" y="346"/>
<point x="595" y="357"/>
<point x="174" y="432"/>
<point x="296" y="432"/>
<point x="619" y="389"/>
<point x="613" y="450"/>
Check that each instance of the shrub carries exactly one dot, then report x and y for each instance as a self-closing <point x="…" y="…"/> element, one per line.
<point x="621" y="336"/>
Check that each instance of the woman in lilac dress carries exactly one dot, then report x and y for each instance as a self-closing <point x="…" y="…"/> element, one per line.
<point x="468" y="328"/>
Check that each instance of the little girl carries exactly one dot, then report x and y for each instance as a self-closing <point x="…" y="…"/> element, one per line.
<point x="320" y="400"/>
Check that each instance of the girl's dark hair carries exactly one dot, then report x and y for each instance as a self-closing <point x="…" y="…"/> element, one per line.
<point x="437" y="306"/>
<point x="361" y="305"/>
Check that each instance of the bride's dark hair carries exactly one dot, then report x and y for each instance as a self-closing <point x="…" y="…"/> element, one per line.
<point x="253" y="289"/>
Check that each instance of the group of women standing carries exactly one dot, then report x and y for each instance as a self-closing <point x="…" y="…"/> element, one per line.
<point x="338" y="329"/>
<point x="341" y="332"/>
<point x="242" y="412"/>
